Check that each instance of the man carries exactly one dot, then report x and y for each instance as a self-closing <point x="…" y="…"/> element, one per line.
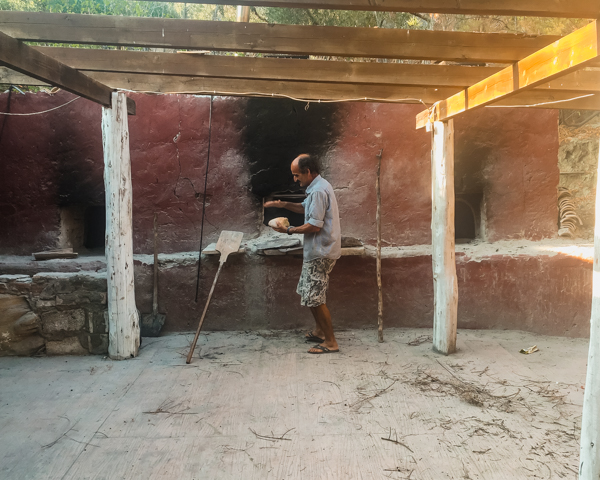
<point x="322" y="246"/>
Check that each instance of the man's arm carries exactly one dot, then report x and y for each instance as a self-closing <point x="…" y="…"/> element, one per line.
<point x="306" y="228"/>
<point x="291" y="206"/>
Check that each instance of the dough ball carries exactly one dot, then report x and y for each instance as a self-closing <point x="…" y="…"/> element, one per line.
<point x="281" y="222"/>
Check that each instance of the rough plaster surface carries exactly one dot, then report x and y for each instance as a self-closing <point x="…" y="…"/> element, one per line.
<point x="54" y="160"/>
<point x="513" y="163"/>
<point x="47" y="160"/>
<point x="486" y="412"/>
<point x="169" y="148"/>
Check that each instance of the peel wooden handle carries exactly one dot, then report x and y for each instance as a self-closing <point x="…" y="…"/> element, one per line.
<point x="189" y="357"/>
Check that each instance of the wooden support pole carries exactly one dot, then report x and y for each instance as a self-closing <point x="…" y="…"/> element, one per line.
<point x="589" y="461"/>
<point x="123" y="318"/>
<point x="442" y="233"/>
<point x="378" y="219"/>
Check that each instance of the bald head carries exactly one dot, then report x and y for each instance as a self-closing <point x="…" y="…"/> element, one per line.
<point x="308" y="163"/>
<point x="304" y="169"/>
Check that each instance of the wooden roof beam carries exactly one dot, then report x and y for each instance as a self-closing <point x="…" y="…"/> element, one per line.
<point x="566" y="55"/>
<point x="535" y="8"/>
<point x="313" y="91"/>
<point x="26" y="60"/>
<point x="226" y="66"/>
<point x="264" y="38"/>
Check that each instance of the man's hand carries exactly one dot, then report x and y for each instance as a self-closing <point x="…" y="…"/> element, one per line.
<point x="274" y="204"/>
<point x="280" y="229"/>
<point x="291" y="206"/>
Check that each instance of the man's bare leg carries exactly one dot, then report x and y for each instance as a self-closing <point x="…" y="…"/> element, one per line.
<point x="317" y="331"/>
<point x="324" y="326"/>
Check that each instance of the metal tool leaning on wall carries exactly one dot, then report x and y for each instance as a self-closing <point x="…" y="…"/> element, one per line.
<point x="229" y="242"/>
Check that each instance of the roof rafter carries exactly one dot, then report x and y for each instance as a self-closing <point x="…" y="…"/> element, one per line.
<point x="297" y="70"/>
<point x="27" y="60"/>
<point x="315" y="91"/>
<point x="264" y="38"/>
<point x="566" y="55"/>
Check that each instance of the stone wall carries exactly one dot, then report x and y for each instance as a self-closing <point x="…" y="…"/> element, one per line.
<point x="70" y="306"/>
<point x="579" y="133"/>
<point x="542" y="287"/>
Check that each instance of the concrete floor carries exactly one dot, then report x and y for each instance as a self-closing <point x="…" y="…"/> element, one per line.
<point x="256" y="406"/>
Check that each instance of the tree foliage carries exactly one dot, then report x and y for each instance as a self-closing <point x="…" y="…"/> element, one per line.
<point x="342" y="18"/>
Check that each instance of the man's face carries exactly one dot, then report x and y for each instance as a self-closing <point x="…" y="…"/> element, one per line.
<point x="305" y="179"/>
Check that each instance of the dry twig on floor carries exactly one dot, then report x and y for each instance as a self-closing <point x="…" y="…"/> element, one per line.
<point x="51" y="444"/>
<point x="379" y="393"/>
<point x="482" y="451"/>
<point x="396" y="441"/>
<point x="469" y="392"/>
<point x="166" y="408"/>
<point x="400" y="470"/>
<point x="420" y="340"/>
<point x="272" y="437"/>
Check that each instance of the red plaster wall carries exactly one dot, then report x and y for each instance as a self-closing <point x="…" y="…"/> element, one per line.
<point x="169" y="147"/>
<point x="45" y="161"/>
<point x="405" y="173"/>
<point x="56" y="159"/>
<point x="546" y="294"/>
<point x="517" y="150"/>
<point x="507" y="155"/>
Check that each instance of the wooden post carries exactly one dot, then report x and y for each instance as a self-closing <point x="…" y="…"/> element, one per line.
<point x="442" y="233"/>
<point x="589" y="452"/>
<point x="123" y="321"/>
<point x="378" y="219"/>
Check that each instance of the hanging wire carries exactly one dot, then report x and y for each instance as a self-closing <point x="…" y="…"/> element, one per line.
<point x="38" y="113"/>
<point x="542" y="103"/>
<point x="281" y="95"/>
<point x="204" y="198"/>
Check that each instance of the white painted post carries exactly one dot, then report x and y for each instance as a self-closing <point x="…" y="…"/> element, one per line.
<point x="442" y="233"/>
<point x="589" y="452"/>
<point x="123" y="321"/>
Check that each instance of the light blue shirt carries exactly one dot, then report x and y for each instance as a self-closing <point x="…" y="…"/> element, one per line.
<point x="321" y="210"/>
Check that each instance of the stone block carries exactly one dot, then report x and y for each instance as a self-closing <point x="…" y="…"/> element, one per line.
<point x="98" y="343"/>
<point x="97" y="298"/>
<point x="63" y="321"/>
<point x="15" y="284"/>
<point x="43" y="305"/>
<point x="276" y="243"/>
<point x="72" y="299"/>
<point x="67" y="346"/>
<point x="98" y="321"/>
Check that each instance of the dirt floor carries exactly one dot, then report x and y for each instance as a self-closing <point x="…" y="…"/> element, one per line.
<point x="255" y="405"/>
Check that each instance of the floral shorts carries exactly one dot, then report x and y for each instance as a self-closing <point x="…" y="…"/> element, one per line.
<point x="314" y="281"/>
